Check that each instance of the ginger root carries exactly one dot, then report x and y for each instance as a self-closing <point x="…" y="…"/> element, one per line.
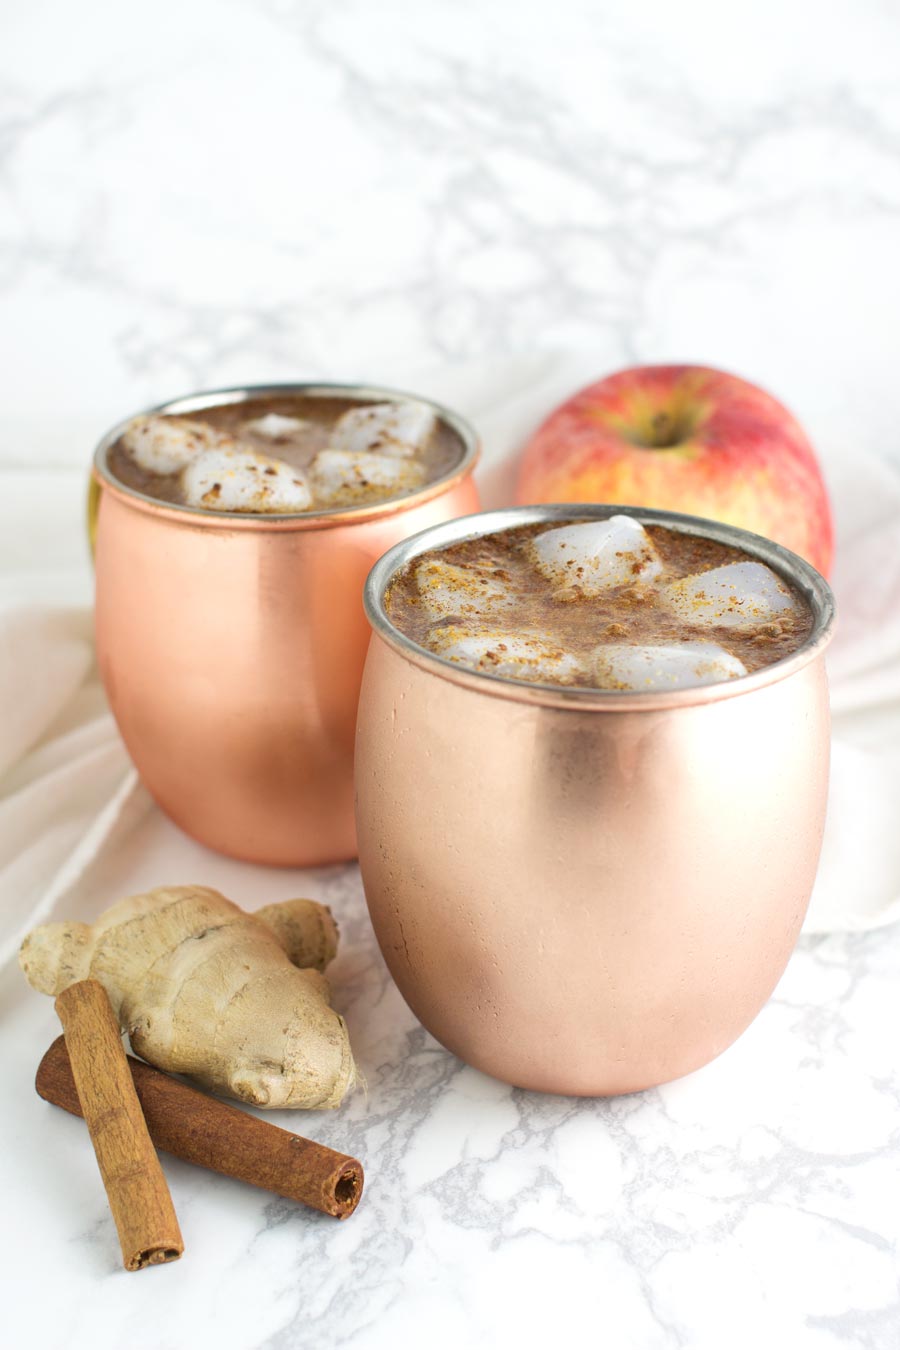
<point x="235" y="1001"/>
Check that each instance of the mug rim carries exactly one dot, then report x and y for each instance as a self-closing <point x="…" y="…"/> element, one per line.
<point x="287" y="520"/>
<point x="802" y="576"/>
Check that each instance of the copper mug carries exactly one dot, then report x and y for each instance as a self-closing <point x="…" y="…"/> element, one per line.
<point x="581" y="891"/>
<point x="232" y="646"/>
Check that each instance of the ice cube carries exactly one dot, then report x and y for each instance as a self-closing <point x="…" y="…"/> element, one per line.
<point x="448" y="590"/>
<point x="397" y="429"/>
<point x="241" y="480"/>
<point x="596" y="555"/>
<point x="165" y="444"/>
<point x="274" y="427"/>
<point x="516" y="656"/>
<point x="738" y="595"/>
<point x="665" y="666"/>
<point x="342" y="477"/>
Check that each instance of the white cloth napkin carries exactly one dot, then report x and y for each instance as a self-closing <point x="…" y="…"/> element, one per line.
<point x="67" y="785"/>
<point x="68" y="790"/>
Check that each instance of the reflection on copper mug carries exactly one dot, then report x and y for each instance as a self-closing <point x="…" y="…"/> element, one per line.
<point x="232" y="646"/>
<point x="581" y="891"/>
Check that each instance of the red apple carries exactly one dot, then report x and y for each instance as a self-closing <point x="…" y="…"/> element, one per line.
<point x="685" y="438"/>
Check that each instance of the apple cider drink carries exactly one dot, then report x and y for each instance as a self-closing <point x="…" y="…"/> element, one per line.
<point x="286" y="454"/>
<point x="603" y="604"/>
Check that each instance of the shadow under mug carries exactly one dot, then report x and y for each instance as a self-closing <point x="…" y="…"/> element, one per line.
<point x="231" y="646"/>
<point x="584" y="891"/>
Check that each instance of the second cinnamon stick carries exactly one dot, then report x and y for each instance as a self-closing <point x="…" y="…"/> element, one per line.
<point x="138" y="1195"/>
<point x="206" y="1131"/>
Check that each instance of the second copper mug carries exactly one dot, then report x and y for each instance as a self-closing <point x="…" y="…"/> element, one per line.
<point x="588" y="891"/>
<point x="232" y="646"/>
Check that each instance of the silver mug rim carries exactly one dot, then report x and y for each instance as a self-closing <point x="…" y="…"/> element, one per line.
<point x="234" y="394"/>
<point x="790" y="566"/>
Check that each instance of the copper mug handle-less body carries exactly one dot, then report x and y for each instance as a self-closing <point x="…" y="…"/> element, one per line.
<point x="232" y="647"/>
<point x="588" y="892"/>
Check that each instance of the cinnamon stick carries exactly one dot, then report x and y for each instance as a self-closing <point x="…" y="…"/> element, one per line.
<point x="208" y="1132"/>
<point x="135" y="1186"/>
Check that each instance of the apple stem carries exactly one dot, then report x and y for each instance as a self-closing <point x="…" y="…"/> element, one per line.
<point x="663" y="431"/>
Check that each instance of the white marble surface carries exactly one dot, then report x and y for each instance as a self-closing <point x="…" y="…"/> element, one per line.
<point x="216" y="191"/>
<point x="224" y="190"/>
<point x="755" y="1203"/>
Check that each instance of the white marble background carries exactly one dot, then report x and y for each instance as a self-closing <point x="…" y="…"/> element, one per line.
<point x="230" y="190"/>
<point x="227" y="190"/>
